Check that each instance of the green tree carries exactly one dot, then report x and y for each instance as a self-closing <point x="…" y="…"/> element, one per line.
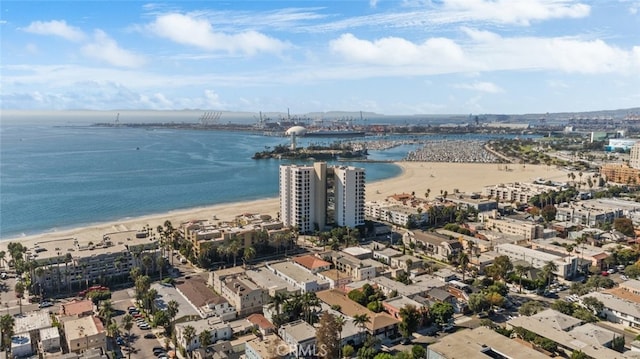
<point x="172" y="311"/>
<point x="624" y="226"/>
<point x="347" y="351"/>
<point x="593" y="305"/>
<point x="410" y="320"/>
<point x="530" y="308"/>
<point x="188" y="334"/>
<point x="106" y="311"/>
<point x="19" y="289"/>
<point x="563" y="307"/>
<point x="361" y="320"/>
<point x="418" y="352"/>
<point x="442" y="313"/>
<point x="548" y="212"/>
<point x="478" y="302"/>
<point x="617" y="343"/>
<point x="500" y="268"/>
<point x="127" y="324"/>
<point x="7" y="324"/>
<point x="205" y="338"/>
<point x="578" y="354"/>
<point x="328" y="337"/>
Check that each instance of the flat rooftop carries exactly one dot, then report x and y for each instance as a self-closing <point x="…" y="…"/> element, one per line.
<point x="81" y="327"/>
<point x="115" y="242"/>
<point x="300" y="330"/>
<point x="294" y="272"/>
<point x="479" y="343"/>
<point x="35" y="320"/>
<point x="266" y="279"/>
<point x="357" y="251"/>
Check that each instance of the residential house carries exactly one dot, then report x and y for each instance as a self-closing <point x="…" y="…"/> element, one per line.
<point x="295" y="275"/>
<point x="268" y="347"/>
<point x="244" y="295"/>
<point x="205" y="301"/>
<point x="219" y="331"/>
<point x="312" y="263"/>
<point x="380" y="325"/>
<point x="433" y="245"/>
<point x="300" y="338"/>
<point x="479" y="343"/>
<point x="85" y="333"/>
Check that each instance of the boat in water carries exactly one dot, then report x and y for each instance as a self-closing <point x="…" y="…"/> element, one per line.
<point x="334" y="133"/>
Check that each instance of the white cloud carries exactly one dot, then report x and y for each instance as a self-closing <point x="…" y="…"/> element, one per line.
<point x="395" y="51"/>
<point x="520" y="12"/>
<point x="106" y="49"/>
<point x="55" y="28"/>
<point x="188" y="30"/>
<point x="484" y="52"/>
<point x="487" y="87"/>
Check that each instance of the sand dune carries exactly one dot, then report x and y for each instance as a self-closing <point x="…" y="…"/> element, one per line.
<point x="415" y="177"/>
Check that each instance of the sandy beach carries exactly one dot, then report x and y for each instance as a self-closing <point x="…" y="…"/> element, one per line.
<point x="415" y="177"/>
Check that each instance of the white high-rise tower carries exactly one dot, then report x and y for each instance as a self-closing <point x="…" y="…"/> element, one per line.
<point x="313" y="197"/>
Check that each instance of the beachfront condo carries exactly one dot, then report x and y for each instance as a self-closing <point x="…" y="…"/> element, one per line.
<point x="318" y="196"/>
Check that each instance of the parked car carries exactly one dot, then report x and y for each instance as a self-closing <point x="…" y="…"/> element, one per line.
<point x="120" y="341"/>
<point x="604" y="273"/>
<point x="46" y="304"/>
<point x="149" y="336"/>
<point x="611" y="270"/>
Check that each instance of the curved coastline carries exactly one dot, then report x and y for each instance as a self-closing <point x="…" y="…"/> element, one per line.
<point x="415" y="177"/>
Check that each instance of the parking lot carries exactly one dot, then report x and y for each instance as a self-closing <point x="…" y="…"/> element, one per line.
<point x="141" y="347"/>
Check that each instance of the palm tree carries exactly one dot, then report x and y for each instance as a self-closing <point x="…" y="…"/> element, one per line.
<point x="520" y="271"/>
<point x="361" y="320"/>
<point x="19" y="289"/>
<point x="205" y="338"/>
<point x="548" y="270"/>
<point x="106" y="311"/>
<point x="172" y="311"/>
<point x="2" y="256"/>
<point x="146" y="263"/>
<point x="7" y="323"/>
<point x="463" y="261"/>
<point x="127" y="324"/>
<point x="278" y="299"/>
<point x="188" y="334"/>
<point x="340" y="322"/>
<point x="112" y="329"/>
<point x="249" y="254"/>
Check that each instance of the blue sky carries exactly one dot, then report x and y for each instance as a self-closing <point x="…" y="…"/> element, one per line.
<point x="388" y="57"/>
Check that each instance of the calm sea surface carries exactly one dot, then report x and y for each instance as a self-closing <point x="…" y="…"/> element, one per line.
<point x="61" y="177"/>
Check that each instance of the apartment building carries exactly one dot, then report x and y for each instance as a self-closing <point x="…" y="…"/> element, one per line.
<point x="205" y="234"/>
<point x="522" y="229"/>
<point x="244" y="295"/>
<point x="69" y="262"/>
<point x="219" y="331"/>
<point x="567" y="263"/>
<point x="85" y="333"/>
<point x="620" y="173"/>
<point x="316" y="196"/>
<point x="300" y="338"/>
<point x="297" y="276"/>
<point x="398" y="214"/>
<point x="516" y="192"/>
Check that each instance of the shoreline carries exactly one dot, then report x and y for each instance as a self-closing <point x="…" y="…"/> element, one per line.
<point x="415" y="177"/>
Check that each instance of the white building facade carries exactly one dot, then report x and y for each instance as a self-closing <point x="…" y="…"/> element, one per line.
<point x="316" y="196"/>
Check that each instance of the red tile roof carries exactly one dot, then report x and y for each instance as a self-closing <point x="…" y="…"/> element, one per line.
<point x="77" y="308"/>
<point x="261" y="321"/>
<point x="311" y="262"/>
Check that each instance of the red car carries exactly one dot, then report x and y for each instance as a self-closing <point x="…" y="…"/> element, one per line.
<point x="604" y="273"/>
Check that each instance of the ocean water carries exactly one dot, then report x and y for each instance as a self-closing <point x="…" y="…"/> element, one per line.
<point x="62" y="177"/>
